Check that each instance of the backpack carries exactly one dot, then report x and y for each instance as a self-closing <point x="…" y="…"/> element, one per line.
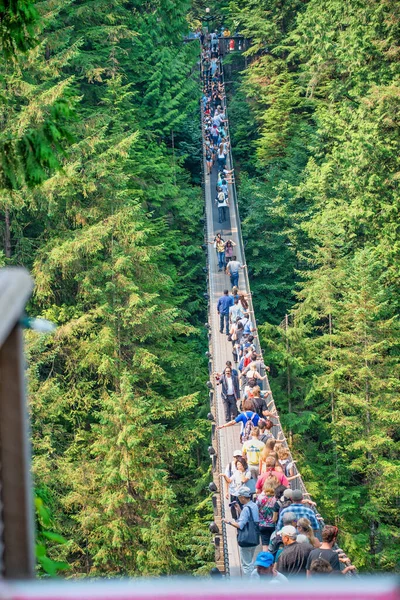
<point x="286" y="466"/>
<point x="266" y="511"/>
<point x="221" y="198"/>
<point x="275" y="544"/>
<point x="246" y="433"/>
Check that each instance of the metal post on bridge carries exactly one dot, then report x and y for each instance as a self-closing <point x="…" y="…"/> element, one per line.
<point x="17" y="557"/>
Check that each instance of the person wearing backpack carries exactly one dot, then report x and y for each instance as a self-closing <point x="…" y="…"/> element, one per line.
<point x="266" y="503"/>
<point x="222" y="203"/>
<point x="247" y="419"/>
<point x="248" y="530"/>
<point x="285" y="462"/>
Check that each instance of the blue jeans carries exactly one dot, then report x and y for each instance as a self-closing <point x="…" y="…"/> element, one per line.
<point x="235" y="279"/>
<point x="221" y="214"/>
<point x="221" y="260"/>
<point x="223" y="317"/>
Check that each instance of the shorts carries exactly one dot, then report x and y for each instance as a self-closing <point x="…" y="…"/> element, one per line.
<point x="266" y="533"/>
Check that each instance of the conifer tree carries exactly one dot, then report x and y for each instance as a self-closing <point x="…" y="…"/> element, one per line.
<point x="319" y="97"/>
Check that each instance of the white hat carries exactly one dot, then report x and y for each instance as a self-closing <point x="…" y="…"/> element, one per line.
<point x="237" y="453"/>
<point x="288" y="530"/>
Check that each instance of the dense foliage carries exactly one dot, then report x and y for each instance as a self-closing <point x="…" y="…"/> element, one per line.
<point x="99" y="146"/>
<point x="314" y="121"/>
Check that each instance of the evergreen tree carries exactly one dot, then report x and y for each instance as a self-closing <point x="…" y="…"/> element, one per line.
<point x="319" y="98"/>
<point x="105" y="215"/>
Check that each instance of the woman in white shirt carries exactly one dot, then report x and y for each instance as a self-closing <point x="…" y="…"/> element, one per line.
<point x="221" y="156"/>
<point x="239" y="478"/>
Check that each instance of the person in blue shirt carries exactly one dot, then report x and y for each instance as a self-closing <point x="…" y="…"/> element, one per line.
<point x="224" y="303"/>
<point x="247" y="414"/>
<point x="248" y="512"/>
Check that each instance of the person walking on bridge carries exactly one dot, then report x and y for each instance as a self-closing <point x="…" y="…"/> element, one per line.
<point x="232" y="270"/>
<point x="249" y="516"/>
<point x="298" y="508"/>
<point x="222" y="203"/>
<point x="230" y="394"/>
<point x="224" y="303"/>
<point x="293" y="560"/>
<point x="220" y="246"/>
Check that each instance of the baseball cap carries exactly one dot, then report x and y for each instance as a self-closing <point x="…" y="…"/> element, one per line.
<point x="288" y="530"/>
<point x="288" y="494"/>
<point x="237" y="453"/>
<point x="297" y="495"/>
<point x="264" y="559"/>
<point x="245" y="492"/>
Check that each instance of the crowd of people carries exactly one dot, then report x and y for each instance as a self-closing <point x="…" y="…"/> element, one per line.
<point x="266" y="505"/>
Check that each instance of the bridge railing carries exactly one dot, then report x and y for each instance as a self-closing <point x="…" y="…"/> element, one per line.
<point x="17" y="559"/>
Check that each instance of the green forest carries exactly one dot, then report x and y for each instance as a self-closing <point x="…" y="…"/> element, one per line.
<point x="105" y="214"/>
<point x="314" y="117"/>
<point x="101" y="199"/>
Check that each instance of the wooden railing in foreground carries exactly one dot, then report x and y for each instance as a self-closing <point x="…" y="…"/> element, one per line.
<point x="17" y="557"/>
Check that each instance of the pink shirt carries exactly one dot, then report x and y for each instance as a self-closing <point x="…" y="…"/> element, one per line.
<point x="281" y="477"/>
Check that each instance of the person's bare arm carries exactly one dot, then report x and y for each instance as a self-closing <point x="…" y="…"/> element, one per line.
<point x="348" y="568"/>
<point x="227" y="479"/>
<point x="227" y="424"/>
<point x="268" y="413"/>
<point x="229" y="522"/>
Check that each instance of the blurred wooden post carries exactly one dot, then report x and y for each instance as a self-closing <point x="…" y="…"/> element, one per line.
<point x="17" y="557"/>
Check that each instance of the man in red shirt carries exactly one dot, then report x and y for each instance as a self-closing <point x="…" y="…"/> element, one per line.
<point x="270" y="464"/>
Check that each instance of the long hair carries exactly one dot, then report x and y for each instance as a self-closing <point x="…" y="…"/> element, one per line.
<point x="305" y="526"/>
<point x="244" y="302"/>
<point x="270" y="485"/>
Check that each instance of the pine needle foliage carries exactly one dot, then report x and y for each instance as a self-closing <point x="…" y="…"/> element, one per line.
<point x="100" y="124"/>
<point x="314" y="118"/>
